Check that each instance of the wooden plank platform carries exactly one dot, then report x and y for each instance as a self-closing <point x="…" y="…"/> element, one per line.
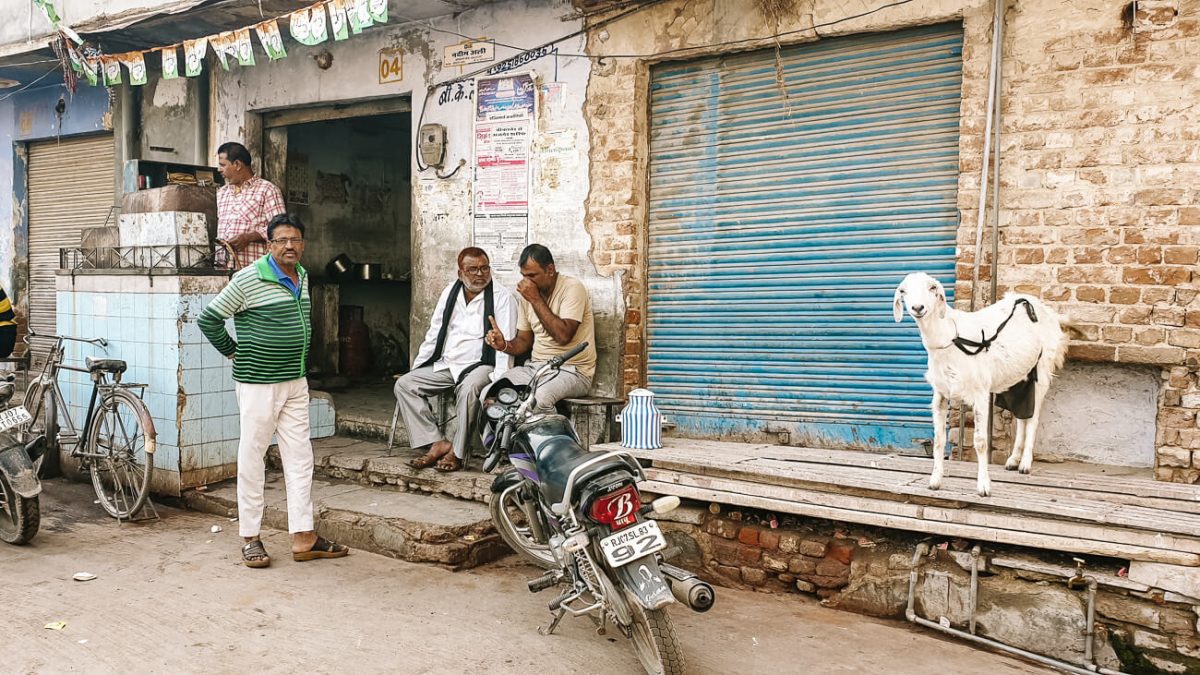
<point x="1108" y="511"/>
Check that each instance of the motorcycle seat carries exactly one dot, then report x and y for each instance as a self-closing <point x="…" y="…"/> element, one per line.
<point x="557" y="457"/>
<point x="114" y="366"/>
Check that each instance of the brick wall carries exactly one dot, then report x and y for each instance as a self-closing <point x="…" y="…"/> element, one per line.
<point x="1100" y="163"/>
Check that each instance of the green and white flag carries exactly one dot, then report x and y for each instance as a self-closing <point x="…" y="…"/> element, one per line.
<point x="135" y="63"/>
<point x="223" y="45"/>
<point x="193" y="52"/>
<point x="170" y="63"/>
<point x="359" y="14"/>
<point x="112" y="70"/>
<point x="378" y="9"/>
<point x="337" y="19"/>
<point x="307" y="25"/>
<point x="271" y="39"/>
<point x="48" y="9"/>
<point x="243" y="47"/>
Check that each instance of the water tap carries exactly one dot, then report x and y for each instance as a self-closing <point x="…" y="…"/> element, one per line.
<point x="1078" y="581"/>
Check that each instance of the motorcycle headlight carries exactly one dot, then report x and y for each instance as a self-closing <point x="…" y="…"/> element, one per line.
<point x="494" y="412"/>
<point x="507" y="396"/>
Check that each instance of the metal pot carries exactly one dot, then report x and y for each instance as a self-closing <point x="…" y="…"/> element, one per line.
<point x="339" y="266"/>
<point x="368" y="271"/>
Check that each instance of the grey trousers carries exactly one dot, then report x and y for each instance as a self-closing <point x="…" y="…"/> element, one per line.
<point x="554" y="386"/>
<point x="415" y="391"/>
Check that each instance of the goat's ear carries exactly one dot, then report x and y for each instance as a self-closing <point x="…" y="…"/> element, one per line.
<point x="941" y="296"/>
<point x="898" y="306"/>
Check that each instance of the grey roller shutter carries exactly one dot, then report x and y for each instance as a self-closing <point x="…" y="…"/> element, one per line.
<point x="71" y="186"/>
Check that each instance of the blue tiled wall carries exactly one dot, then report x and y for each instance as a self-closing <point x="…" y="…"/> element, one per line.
<point x="157" y="335"/>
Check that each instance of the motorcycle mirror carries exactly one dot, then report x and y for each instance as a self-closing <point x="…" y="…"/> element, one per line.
<point x="665" y="504"/>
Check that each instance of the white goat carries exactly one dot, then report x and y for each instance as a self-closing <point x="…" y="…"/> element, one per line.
<point x="955" y="375"/>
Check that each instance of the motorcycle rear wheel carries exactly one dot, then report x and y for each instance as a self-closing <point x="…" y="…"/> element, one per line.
<point x="20" y="516"/>
<point x="654" y="640"/>
<point x="519" y="539"/>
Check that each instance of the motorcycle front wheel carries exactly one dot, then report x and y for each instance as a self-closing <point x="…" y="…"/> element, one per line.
<point x="506" y="513"/>
<point x="654" y="640"/>
<point x="20" y="516"/>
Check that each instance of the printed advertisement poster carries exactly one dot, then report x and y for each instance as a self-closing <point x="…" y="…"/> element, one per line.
<point x="503" y="137"/>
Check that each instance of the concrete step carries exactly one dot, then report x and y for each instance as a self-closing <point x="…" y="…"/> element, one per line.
<point x="418" y="528"/>
<point x="368" y="462"/>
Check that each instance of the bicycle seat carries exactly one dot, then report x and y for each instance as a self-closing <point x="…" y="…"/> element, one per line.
<point x="114" y="366"/>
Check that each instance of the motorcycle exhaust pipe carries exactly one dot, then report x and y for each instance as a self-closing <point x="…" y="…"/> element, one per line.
<point x="688" y="588"/>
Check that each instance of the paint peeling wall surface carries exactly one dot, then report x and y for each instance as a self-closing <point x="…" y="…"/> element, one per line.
<point x="442" y="215"/>
<point x="30" y="116"/>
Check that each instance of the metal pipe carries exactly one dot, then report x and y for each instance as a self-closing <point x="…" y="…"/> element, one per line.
<point x="974" y="598"/>
<point x="981" y="211"/>
<point x="995" y="258"/>
<point x="1090" y="633"/>
<point x="911" y="614"/>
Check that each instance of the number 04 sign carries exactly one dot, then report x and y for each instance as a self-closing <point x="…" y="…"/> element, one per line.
<point x="391" y="66"/>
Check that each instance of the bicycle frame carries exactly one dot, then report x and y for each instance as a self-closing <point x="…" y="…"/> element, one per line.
<point x="48" y="379"/>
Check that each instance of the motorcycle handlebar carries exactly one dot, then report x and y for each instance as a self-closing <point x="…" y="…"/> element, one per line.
<point x="557" y="361"/>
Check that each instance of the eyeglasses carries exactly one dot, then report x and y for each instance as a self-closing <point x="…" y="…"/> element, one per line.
<point x="476" y="271"/>
<point x="284" y="241"/>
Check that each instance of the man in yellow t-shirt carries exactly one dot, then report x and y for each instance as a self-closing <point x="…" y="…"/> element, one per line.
<point x="554" y="315"/>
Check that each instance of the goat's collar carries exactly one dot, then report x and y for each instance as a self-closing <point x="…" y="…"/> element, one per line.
<point x="975" y="347"/>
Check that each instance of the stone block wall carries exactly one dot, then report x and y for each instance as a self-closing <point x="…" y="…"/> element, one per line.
<point x="1100" y="157"/>
<point x="867" y="570"/>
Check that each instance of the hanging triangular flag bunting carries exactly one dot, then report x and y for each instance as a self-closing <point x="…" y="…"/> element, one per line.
<point x="170" y="63"/>
<point x="135" y="63"/>
<point x="271" y="39"/>
<point x="48" y="9"/>
<point x="359" y="14"/>
<point x="243" y="47"/>
<point x="307" y="25"/>
<point x="337" y="19"/>
<point x="378" y="9"/>
<point x="311" y="25"/>
<point x="112" y="70"/>
<point x="193" y="52"/>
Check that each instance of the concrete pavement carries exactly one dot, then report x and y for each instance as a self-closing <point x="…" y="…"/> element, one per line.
<point x="171" y="596"/>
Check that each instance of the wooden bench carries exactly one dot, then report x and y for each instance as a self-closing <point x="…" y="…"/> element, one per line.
<point x="581" y="409"/>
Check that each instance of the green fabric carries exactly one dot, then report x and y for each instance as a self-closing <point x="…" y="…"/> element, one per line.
<point x="273" y="326"/>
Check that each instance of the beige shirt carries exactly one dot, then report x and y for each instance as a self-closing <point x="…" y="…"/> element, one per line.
<point x="569" y="300"/>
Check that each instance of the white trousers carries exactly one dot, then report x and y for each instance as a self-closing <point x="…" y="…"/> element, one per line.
<point x="279" y="409"/>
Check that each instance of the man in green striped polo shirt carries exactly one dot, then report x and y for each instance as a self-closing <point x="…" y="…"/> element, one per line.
<point x="269" y="304"/>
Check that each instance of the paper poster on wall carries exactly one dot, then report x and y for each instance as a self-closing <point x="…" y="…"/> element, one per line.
<point x="504" y="116"/>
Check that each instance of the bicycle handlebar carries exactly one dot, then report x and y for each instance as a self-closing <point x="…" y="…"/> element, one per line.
<point x="102" y="342"/>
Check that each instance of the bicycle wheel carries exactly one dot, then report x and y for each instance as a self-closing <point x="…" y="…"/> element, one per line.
<point x="40" y="402"/>
<point x="120" y="450"/>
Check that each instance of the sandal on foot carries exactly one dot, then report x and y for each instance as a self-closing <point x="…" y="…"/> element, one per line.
<point x="424" y="461"/>
<point x="321" y="548"/>
<point x="448" y="463"/>
<point x="254" y="554"/>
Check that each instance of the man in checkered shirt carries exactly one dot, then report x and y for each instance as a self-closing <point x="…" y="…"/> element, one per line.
<point x="244" y="205"/>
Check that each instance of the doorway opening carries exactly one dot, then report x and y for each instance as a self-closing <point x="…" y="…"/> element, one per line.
<point x="349" y="178"/>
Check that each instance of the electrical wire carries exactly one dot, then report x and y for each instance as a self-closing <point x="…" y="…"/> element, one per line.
<point x="39" y="79"/>
<point x="728" y="43"/>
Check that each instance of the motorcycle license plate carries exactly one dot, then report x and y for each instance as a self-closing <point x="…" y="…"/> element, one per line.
<point x="632" y="543"/>
<point x="13" y="417"/>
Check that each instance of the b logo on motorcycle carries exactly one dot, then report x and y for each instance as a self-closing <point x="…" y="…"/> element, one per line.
<point x="621" y="509"/>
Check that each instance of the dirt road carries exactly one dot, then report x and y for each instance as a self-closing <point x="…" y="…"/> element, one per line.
<point x="170" y="596"/>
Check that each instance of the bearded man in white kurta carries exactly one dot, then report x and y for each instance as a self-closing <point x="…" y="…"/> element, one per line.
<point x="455" y="357"/>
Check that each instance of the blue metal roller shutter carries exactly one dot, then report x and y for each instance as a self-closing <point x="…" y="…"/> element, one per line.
<point x="779" y="228"/>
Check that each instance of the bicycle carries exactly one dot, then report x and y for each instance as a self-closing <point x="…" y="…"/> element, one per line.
<point x="118" y="436"/>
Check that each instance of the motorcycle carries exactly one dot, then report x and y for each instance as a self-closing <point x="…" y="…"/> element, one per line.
<point x="20" y="511"/>
<point x="579" y="515"/>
